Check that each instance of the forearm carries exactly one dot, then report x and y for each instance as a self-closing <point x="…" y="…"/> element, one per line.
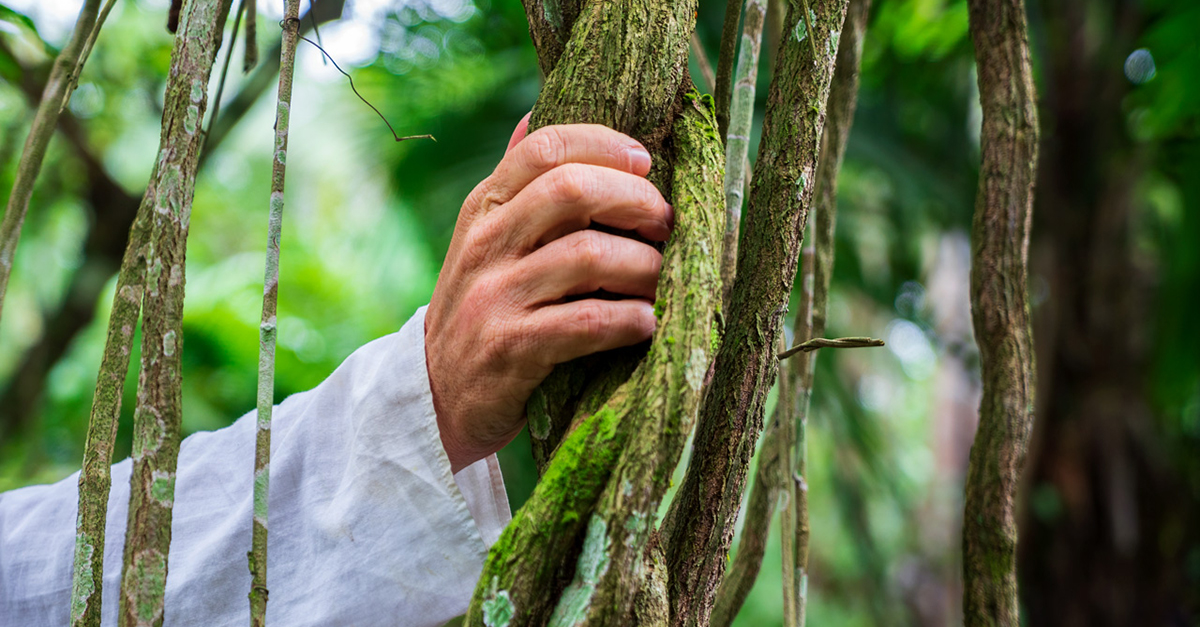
<point x="366" y="519"/>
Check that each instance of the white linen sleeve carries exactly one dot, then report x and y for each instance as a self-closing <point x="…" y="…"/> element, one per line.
<point x="367" y="524"/>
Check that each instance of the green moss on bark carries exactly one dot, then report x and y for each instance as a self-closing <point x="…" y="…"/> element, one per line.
<point x="700" y="522"/>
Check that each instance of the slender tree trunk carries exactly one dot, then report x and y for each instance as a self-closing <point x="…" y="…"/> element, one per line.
<point x="158" y="413"/>
<point x="267" y="327"/>
<point x="699" y="526"/>
<point x="1000" y="310"/>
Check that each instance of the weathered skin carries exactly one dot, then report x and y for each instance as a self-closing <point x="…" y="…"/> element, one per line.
<point x="699" y="525"/>
<point x="1000" y="310"/>
<point x="588" y="521"/>
<point x="610" y="472"/>
<point x="638" y="50"/>
<point x="158" y="413"/>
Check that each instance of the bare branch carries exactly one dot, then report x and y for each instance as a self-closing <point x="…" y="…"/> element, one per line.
<point x="809" y="346"/>
<point x="737" y="141"/>
<point x="725" y="58"/>
<point x="64" y="77"/>
<point x="267" y="325"/>
<point x="706" y="68"/>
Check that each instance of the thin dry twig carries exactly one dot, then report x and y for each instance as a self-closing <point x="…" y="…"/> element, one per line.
<point x="841" y="342"/>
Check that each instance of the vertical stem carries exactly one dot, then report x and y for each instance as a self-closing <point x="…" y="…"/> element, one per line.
<point x="794" y="449"/>
<point x="267" y="328"/>
<point x="706" y="69"/>
<point x="816" y="276"/>
<point x="63" y="79"/>
<point x="725" y="58"/>
<point x="705" y="507"/>
<point x="95" y="479"/>
<point x="737" y="140"/>
<point x="251" y="58"/>
<point x="1000" y="310"/>
<point x="158" y="414"/>
<point x="760" y="507"/>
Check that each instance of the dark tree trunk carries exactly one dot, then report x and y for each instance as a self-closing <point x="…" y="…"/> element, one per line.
<point x="1106" y="519"/>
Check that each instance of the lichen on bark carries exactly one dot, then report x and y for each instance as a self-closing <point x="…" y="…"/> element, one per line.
<point x="158" y="413"/>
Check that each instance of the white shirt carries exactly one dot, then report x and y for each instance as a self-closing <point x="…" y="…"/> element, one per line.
<point x="368" y="526"/>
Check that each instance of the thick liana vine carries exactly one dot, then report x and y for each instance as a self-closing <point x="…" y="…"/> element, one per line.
<point x="699" y="525"/>
<point x="566" y="558"/>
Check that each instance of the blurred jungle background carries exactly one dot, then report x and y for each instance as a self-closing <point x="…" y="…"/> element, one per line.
<point x="1110" y="507"/>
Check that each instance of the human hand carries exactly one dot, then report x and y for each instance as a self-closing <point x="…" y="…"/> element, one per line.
<point x="501" y="315"/>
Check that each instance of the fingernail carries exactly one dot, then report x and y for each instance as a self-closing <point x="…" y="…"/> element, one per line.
<point x="639" y="159"/>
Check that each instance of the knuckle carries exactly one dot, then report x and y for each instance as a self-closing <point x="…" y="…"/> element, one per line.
<point x="544" y="149"/>
<point x="569" y="184"/>
<point x="476" y="245"/>
<point x="592" y="320"/>
<point x="590" y="249"/>
<point x="650" y="196"/>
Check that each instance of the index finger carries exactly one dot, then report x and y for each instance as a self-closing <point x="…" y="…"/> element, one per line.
<point x="552" y="146"/>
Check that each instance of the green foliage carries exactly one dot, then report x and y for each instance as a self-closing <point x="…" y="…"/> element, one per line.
<point x="369" y="221"/>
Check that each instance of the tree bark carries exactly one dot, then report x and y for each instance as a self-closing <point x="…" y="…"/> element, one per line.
<point x="1000" y="310"/>
<point x="818" y="275"/>
<point x="267" y="327"/>
<point x="699" y="525"/>
<point x="575" y="552"/>
<point x="158" y="413"/>
<point x="737" y="139"/>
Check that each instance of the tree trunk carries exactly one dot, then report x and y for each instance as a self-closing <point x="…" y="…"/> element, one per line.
<point x="1000" y="310"/>
<point x="1107" y="520"/>
<point x="699" y="525"/>
<point x="575" y="553"/>
<point x="167" y="213"/>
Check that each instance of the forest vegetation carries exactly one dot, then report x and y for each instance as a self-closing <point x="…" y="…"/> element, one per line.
<point x="1088" y="395"/>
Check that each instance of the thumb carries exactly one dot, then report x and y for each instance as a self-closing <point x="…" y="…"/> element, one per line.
<point x="519" y="132"/>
